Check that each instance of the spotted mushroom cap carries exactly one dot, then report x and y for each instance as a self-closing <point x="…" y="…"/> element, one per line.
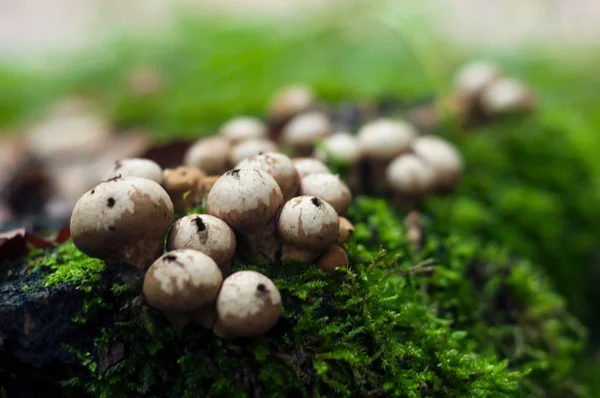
<point x="290" y="101"/>
<point x="306" y="166"/>
<point x="442" y="156"/>
<point x="248" y="304"/>
<point x="251" y="147"/>
<point x="211" y="155"/>
<point x="505" y="95"/>
<point x="182" y="280"/>
<point x="328" y="187"/>
<point x="206" y="234"/>
<point x="243" y="128"/>
<point x="122" y="219"/>
<point x="409" y="174"/>
<point x="245" y="198"/>
<point x="280" y="167"/>
<point x="384" y="139"/>
<point x="475" y="76"/>
<point x="136" y="167"/>
<point x="304" y="130"/>
<point x="340" y="147"/>
<point x="308" y="222"/>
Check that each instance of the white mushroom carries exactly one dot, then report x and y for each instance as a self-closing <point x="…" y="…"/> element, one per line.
<point x="123" y="219"/>
<point x="290" y="101"/>
<point x="472" y="78"/>
<point x="206" y="234"/>
<point x="308" y="226"/>
<point x="410" y="177"/>
<point x="248" y="200"/>
<point x="211" y="155"/>
<point x="342" y="149"/>
<point x="303" y="131"/>
<point x="280" y="167"/>
<point x="251" y="147"/>
<point x="181" y="282"/>
<point x="328" y="187"/>
<point x="443" y="157"/>
<point x="248" y="304"/>
<point x="306" y="166"/>
<point x="505" y="96"/>
<point x="243" y="128"/>
<point x="136" y="167"/>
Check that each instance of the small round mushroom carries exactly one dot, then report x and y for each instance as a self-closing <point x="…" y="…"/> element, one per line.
<point x="291" y="101"/>
<point x="472" y="78"/>
<point x="136" y="167"/>
<point x="342" y="149"/>
<point x="206" y="234"/>
<point x="443" y="157"/>
<point x="333" y="258"/>
<point x="505" y="96"/>
<point x="306" y="166"/>
<point x="248" y="200"/>
<point x="308" y="226"/>
<point x="346" y="230"/>
<point x="380" y="142"/>
<point x="123" y="219"/>
<point x="280" y="167"/>
<point x="252" y="147"/>
<point x="328" y="187"/>
<point x="249" y="304"/>
<point x="184" y="185"/>
<point x="180" y="282"/>
<point x="303" y="131"/>
<point x="210" y="155"/>
<point x="410" y="178"/>
<point x="243" y="128"/>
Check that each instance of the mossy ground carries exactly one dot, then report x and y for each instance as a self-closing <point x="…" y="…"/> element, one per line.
<point x="530" y="192"/>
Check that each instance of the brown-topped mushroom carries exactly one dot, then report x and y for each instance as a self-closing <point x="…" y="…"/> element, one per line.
<point x="345" y="231"/>
<point x="185" y="186"/>
<point x="123" y="219"/>
<point x="333" y="259"/>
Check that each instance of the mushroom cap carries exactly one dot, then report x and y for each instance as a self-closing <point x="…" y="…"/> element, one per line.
<point x="505" y="95"/>
<point x="280" y="167"/>
<point x="290" y="101"/>
<point x="346" y="230"/>
<point x="442" y="156"/>
<point x="243" y="128"/>
<point x="339" y="147"/>
<point x="306" y="166"/>
<point x="475" y="76"/>
<point x="182" y="280"/>
<point x="245" y="199"/>
<point x="182" y="178"/>
<point x="136" y="167"/>
<point x="328" y="187"/>
<point x="308" y="222"/>
<point x="206" y="234"/>
<point x="122" y="219"/>
<point x="409" y="174"/>
<point x="305" y="129"/>
<point x="384" y="139"/>
<point x="252" y="147"/>
<point x="248" y="304"/>
<point x="211" y="155"/>
<point x="333" y="258"/>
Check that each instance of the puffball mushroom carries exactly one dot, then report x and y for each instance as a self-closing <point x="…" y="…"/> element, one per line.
<point x="443" y="157"/>
<point x="328" y="187"/>
<point x="248" y="200"/>
<point x="303" y="131"/>
<point x="290" y="101"/>
<point x="410" y="177"/>
<point x="182" y="281"/>
<point x="343" y="149"/>
<point x="251" y="147"/>
<point x="346" y="230"/>
<point x="136" y="167"/>
<point x="472" y="78"/>
<point x="280" y="167"/>
<point x="243" y="128"/>
<point x="206" y="234"/>
<point x="505" y="96"/>
<point x="306" y="166"/>
<point x="123" y="219"/>
<point x="333" y="258"/>
<point x="308" y="226"/>
<point x="210" y="155"/>
<point x="184" y="185"/>
<point x="380" y="142"/>
<point x="249" y="304"/>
